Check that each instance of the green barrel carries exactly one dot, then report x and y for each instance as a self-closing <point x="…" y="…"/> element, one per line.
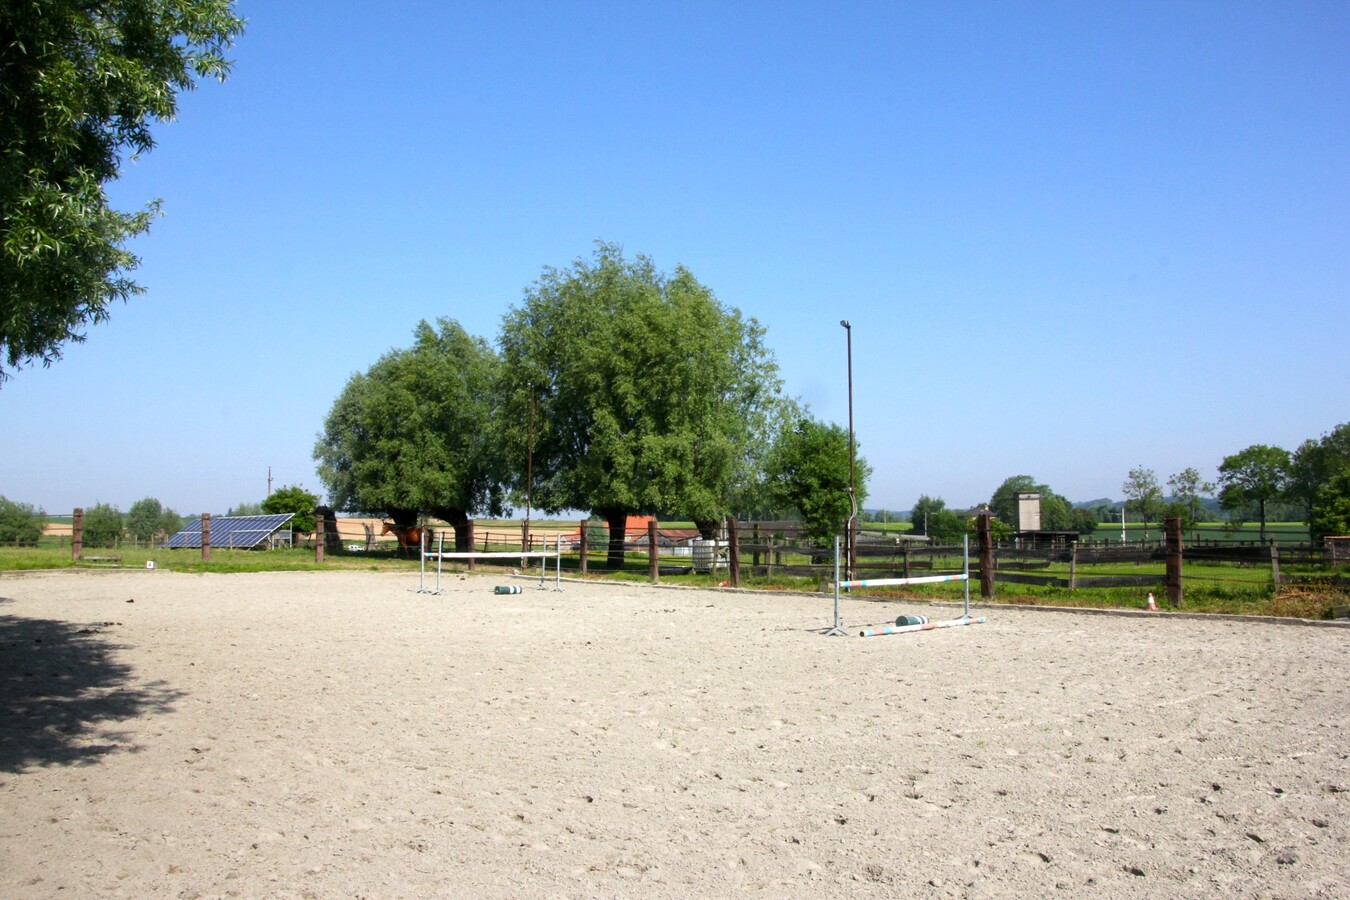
<point x="507" y="589"/>
<point x="912" y="620"/>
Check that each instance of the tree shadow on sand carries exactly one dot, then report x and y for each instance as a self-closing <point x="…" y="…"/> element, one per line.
<point x="60" y="689"/>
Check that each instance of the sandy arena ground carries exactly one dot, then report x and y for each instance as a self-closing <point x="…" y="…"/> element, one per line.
<point x="338" y="735"/>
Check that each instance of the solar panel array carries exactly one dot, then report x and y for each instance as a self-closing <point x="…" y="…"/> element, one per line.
<point x="231" y="532"/>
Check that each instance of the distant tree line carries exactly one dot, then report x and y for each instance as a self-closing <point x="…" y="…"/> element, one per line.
<point x="147" y="520"/>
<point x="1260" y="482"/>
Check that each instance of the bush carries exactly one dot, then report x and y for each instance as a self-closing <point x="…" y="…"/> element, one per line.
<point x="296" y="500"/>
<point x="19" y="523"/>
<point x="102" y="525"/>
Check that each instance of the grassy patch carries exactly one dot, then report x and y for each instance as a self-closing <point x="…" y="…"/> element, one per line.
<point x="14" y="559"/>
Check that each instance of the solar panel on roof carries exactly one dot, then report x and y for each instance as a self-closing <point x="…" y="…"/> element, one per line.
<point x="231" y="532"/>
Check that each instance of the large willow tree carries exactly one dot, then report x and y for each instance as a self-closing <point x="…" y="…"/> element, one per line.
<point x="80" y="86"/>
<point x="629" y="391"/>
<point x="414" y="434"/>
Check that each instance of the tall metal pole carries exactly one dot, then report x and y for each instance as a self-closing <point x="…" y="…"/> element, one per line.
<point x="852" y="551"/>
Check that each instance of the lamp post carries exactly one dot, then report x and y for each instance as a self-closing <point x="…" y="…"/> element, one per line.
<point x="851" y="550"/>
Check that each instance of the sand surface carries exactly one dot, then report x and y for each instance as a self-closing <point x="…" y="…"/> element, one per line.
<point x="337" y="734"/>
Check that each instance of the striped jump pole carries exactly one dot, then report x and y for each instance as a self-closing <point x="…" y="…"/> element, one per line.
<point x="926" y="626"/>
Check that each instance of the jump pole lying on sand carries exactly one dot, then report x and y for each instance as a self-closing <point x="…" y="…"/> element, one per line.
<point x="927" y="626"/>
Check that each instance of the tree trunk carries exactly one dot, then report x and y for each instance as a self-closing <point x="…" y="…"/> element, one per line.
<point x="708" y="528"/>
<point x="463" y="535"/>
<point x="617" y="520"/>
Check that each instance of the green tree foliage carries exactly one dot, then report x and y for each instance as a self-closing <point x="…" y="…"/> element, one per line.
<point x="1187" y="488"/>
<point x="922" y="514"/>
<point x="417" y="433"/>
<point x="648" y="393"/>
<point x="245" y="509"/>
<point x="1314" y="465"/>
<point x="1056" y="511"/>
<point x="597" y="533"/>
<point x="293" y="499"/>
<point x="147" y="518"/>
<point x="1084" y="521"/>
<point x="170" y="522"/>
<point x="103" y="525"/>
<point x="808" y="472"/>
<point x="1331" y="507"/>
<point x="80" y="86"/>
<point x="1256" y="475"/>
<point x="946" y="527"/>
<point x="19" y="522"/>
<point x="1143" y="494"/>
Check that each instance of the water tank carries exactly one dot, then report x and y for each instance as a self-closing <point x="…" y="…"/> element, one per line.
<point x="705" y="554"/>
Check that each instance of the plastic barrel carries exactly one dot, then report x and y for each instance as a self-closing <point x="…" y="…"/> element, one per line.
<point x="912" y="620"/>
<point x="507" y="589"/>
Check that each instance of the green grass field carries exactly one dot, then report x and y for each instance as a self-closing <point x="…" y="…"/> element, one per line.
<point x="1245" y="590"/>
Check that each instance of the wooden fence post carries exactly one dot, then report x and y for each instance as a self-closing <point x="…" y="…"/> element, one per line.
<point x="318" y="535"/>
<point x="653" y="563"/>
<point x="769" y="556"/>
<point x="77" y="534"/>
<point x="1274" y="563"/>
<point x="906" y="569"/>
<point x="986" y="545"/>
<point x="755" y="536"/>
<point x="1172" y="535"/>
<point x="1073" y="566"/>
<point x="584" y="544"/>
<point x="468" y="541"/>
<point x="733" y="552"/>
<point x="206" y="537"/>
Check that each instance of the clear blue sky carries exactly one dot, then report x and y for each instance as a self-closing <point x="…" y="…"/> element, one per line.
<point x="1071" y="238"/>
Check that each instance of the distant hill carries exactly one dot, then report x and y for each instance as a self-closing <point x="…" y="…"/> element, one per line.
<point x="1093" y="504"/>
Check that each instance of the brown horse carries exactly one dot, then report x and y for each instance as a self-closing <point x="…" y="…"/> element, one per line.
<point x="409" y="537"/>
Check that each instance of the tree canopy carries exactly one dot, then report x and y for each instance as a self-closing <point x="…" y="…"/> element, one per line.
<point x="1187" y="489"/>
<point x="808" y="471"/>
<point x="103" y="525"/>
<point x="417" y="432"/>
<point x="1056" y="511"/>
<point x="1256" y="475"/>
<point x="1331" y="515"/>
<point x="147" y="518"/>
<point x="295" y="500"/>
<point x="1313" y="467"/>
<point x="921" y="515"/>
<point x="19" y="522"/>
<point x="646" y="392"/>
<point x="1143" y="494"/>
<point x="80" y="85"/>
